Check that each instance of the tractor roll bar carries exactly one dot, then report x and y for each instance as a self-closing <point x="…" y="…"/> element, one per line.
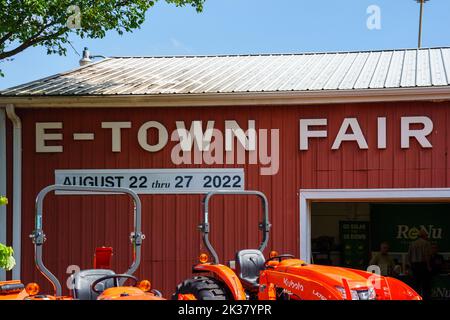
<point x="38" y="236"/>
<point x="264" y="226"/>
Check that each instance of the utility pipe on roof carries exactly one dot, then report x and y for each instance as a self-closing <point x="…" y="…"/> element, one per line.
<point x="17" y="188"/>
<point x="2" y="182"/>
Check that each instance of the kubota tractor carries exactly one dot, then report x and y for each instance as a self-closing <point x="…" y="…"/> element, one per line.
<point x="281" y="276"/>
<point x="99" y="283"/>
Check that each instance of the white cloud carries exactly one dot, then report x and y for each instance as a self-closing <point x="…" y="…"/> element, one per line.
<point x="180" y="46"/>
<point x="176" y="43"/>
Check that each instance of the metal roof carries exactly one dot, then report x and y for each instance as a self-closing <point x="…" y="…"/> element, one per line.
<point x="362" y="70"/>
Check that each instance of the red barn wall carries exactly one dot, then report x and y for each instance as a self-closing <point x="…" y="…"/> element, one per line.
<point x="75" y="225"/>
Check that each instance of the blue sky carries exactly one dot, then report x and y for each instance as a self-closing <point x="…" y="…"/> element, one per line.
<point x="251" y="26"/>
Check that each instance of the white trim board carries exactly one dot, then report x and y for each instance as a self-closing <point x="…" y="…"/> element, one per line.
<point x="307" y="196"/>
<point x="2" y="182"/>
<point x="435" y="94"/>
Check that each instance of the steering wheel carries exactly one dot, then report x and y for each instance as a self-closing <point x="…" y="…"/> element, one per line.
<point x="280" y="257"/>
<point x="116" y="278"/>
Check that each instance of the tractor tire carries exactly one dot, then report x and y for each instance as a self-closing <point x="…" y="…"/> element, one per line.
<point x="202" y="288"/>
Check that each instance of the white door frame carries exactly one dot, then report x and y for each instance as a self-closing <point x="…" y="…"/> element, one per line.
<point x="307" y="196"/>
<point x="2" y="182"/>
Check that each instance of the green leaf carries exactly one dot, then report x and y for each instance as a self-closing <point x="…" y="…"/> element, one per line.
<point x="7" y="260"/>
<point x="3" y="201"/>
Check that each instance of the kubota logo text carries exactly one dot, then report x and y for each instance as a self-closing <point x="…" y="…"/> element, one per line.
<point x="292" y="284"/>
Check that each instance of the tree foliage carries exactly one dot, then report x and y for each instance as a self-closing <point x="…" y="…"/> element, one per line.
<point x="7" y="261"/>
<point x="28" y="23"/>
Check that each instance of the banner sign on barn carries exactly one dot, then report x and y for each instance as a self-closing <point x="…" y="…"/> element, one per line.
<point x="155" y="181"/>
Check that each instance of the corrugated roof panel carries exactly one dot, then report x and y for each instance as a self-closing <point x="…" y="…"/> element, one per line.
<point x="355" y="70"/>
<point x="105" y="81"/>
<point x="224" y="75"/>
<point x="380" y="73"/>
<point x="205" y="78"/>
<point x="195" y="76"/>
<point x="76" y="82"/>
<point x="138" y="75"/>
<point x="299" y="73"/>
<point x="155" y="77"/>
<point x="438" y="77"/>
<point x="423" y="72"/>
<point x="171" y="79"/>
<point x="325" y="75"/>
<point x="248" y="73"/>
<point x="341" y="72"/>
<point x="368" y="71"/>
<point x="394" y="75"/>
<point x="446" y="58"/>
<point x="292" y="63"/>
<point x="314" y="73"/>
<point x="255" y="80"/>
<point x="60" y="80"/>
<point x="141" y="75"/>
<point x="278" y="68"/>
<point x="297" y="62"/>
<point x="230" y="76"/>
<point x="259" y="71"/>
<point x="409" y="72"/>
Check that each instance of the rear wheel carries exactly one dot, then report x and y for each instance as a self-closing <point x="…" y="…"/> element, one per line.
<point x="202" y="288"/>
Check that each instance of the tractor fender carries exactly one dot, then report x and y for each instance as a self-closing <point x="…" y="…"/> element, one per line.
<point x="227" y="276"/>
<point x="400" y="290"/>
<point x="388" y="288"/>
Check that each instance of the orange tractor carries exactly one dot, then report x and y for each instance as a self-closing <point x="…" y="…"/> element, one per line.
<point x="280" y="277"/>
<point x="90" y="284"/>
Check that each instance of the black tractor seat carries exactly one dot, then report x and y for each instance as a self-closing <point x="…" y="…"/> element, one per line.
<point x="83" y="280"/>
<point x="249" y="263"/>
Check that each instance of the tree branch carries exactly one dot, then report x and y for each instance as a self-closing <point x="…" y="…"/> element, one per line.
<point x="30" y="43"/>
<point x="5" y="37"/>
<point x="34" y="39"/>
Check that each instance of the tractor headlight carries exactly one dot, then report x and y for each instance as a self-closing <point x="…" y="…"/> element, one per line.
<point x="342" y="291"/>
<point x="355" y="295"/>
<point x="368" y="294"/>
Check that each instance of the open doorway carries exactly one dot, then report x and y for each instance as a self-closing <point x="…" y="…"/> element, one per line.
<point x="348" y="234"/>
<point x="348" y="227"/>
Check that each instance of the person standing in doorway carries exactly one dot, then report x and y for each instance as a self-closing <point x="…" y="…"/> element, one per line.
<point x="419" y="256"/>
<point x="437" y="260"/>
<point x="384" y="260"/>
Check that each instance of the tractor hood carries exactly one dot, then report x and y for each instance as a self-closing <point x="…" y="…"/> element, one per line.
<point x="386" y="288"/>
<point x="127" y="293"/>
<point x="333" y="276"/>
